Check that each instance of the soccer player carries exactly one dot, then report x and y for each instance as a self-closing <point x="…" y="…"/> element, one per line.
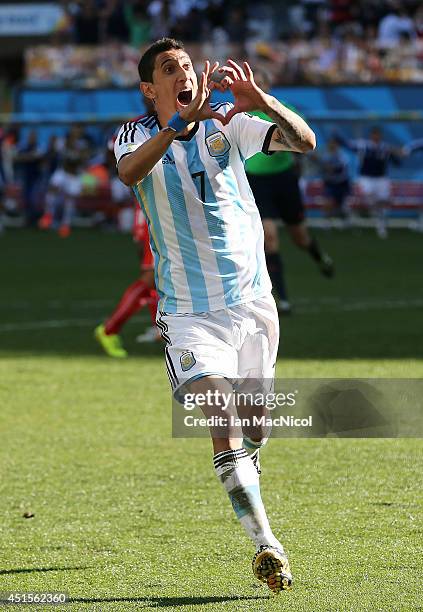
<point x="336" y="180"/>
<point x="216" y="312"/>
<point x="64" y="187"/>
<point x="140" y="293"/>
<point x="275" y="184"/>
<point x="30" y="158"/>
<point x="375" y="155"/>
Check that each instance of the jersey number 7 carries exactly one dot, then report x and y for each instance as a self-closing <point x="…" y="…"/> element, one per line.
<point x="202" y="190"/>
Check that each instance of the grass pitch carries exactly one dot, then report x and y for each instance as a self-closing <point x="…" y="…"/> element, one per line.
<point x="127" y="518"/>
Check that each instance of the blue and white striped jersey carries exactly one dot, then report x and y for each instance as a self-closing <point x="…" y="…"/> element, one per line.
<point x="205" y="230"/>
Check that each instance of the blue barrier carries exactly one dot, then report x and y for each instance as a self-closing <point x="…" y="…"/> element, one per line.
<point x="350" y="109"/>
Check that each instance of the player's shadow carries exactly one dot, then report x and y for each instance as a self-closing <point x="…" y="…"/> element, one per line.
<point x="167" y="602"/>
<point x="30" y="570"/>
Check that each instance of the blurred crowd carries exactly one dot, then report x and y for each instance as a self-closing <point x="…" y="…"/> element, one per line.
<point x="48" y="182"/>
<point x="306" y="41"/>
<point x="98" y="43"/>
<point x="35" y="175"/>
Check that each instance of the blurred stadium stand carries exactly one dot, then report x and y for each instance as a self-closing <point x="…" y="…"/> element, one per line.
<point x="345" y="65"/>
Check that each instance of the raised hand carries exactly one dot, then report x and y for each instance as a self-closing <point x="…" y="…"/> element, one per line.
<point x="293" y="133"/>
<point x="248" y="96"/>
<point x="199" y="108"/>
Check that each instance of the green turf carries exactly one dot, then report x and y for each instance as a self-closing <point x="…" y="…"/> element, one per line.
<point x="125" y="517"/>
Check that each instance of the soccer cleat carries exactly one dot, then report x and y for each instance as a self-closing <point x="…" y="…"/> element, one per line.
<point x="46" y="221"/>
<point x="326" y="266"/>
<point x="270" y="565"/>
<point x="110" y="343"/>
<point x="152" y="334"/>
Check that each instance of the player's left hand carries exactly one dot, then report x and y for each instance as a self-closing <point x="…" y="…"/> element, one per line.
<point x="248" y="95"/>
<point x="199" y="108"/>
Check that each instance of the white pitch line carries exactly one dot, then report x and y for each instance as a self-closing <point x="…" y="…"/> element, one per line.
<point x="360" y="305"/>
<point x="318" y="300"/>
<point x="299" y="302"/>
<point x="55" y="304"/>
<point x="332" y="305"/>
<point x="59" y="323"/>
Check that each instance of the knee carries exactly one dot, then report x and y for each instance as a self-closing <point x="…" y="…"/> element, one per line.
<point x="252" y="444"/>
<point x="221" y="445"/>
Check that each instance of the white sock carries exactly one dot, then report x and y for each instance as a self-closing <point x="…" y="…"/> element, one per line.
<point x="252" y="445"/>
<point x="253" y="449"/>
<point x="238" y="475"/>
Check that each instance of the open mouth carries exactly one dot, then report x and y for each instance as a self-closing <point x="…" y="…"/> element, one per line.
<point x="185" y="97"/>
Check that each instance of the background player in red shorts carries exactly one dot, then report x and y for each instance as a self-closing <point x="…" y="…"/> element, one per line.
<point x="140" y="293"/>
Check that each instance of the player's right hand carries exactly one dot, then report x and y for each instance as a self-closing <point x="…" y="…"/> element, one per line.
<point x="199" y="108"/>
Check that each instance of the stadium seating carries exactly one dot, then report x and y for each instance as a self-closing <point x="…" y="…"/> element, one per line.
<point x="88" y="206"/>
<point x="406" y="201"/>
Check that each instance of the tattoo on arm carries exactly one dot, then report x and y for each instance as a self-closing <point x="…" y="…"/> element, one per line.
<point x="293" y="133"/>
<point x="280" y="138"/>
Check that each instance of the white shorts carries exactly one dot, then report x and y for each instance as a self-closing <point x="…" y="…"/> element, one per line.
<point x="377" y="189"/>
<point x="238" y="343"/>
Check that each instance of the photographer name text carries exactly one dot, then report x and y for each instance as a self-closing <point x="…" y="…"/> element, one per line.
<point x="256" y="421"/>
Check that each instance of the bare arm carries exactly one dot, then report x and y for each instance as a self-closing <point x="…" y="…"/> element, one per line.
<point x="352" y="145"/>
<point x="292" y="133"/>
<point x="135" y="166"/>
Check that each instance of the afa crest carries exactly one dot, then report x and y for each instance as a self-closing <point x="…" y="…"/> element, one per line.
<point x="217" y="144"/>
<point x="187" y="360"/>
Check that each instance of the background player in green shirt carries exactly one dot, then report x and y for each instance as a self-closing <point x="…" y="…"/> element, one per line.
<point x="274" y="180"/>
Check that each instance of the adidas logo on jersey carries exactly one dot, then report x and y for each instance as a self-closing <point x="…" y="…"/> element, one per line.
<point x="166" y="159"/>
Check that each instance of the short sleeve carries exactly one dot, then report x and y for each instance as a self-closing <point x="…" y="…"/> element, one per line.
<point x="252" y="134"/>
<point x="130" y="136"/>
